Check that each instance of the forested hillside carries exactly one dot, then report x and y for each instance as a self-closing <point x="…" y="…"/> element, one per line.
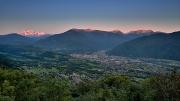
<point x="17" y="85"/>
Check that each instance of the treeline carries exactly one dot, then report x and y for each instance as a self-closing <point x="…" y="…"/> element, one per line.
<point x="17" y="85"/>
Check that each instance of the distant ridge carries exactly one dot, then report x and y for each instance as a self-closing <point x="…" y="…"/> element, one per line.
<point x="141" y="31"/>
<point x="14" y="39"/>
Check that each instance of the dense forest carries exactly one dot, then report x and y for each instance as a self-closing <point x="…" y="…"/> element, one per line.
<point x="18" y="85"/>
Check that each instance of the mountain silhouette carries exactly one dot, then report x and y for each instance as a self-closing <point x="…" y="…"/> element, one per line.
<point x="85" y="39"/>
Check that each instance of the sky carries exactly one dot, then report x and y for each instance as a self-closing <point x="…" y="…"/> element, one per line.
<point x="56" y="16"/>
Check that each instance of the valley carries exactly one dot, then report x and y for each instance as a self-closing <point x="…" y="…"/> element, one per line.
<point x="91" y="54"/>
<point x="88" y="65"/>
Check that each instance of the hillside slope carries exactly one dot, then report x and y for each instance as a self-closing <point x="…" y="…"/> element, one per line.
<point x="166" y="46"/>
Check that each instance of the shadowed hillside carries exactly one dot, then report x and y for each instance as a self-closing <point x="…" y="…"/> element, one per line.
<point x="165" y="46"/>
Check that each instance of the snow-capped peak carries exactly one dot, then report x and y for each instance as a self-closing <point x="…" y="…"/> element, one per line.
<point x="31" y="33"/>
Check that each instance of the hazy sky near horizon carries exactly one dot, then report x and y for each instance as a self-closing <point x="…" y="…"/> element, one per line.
<point x="56" y="16"/>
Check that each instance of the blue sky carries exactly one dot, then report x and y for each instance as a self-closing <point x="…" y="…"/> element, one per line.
<point x="56" y="16"/>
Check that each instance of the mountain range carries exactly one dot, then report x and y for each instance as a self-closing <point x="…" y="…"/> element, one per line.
<point x="85" y="39"/>
<point x="140" y="43"/>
